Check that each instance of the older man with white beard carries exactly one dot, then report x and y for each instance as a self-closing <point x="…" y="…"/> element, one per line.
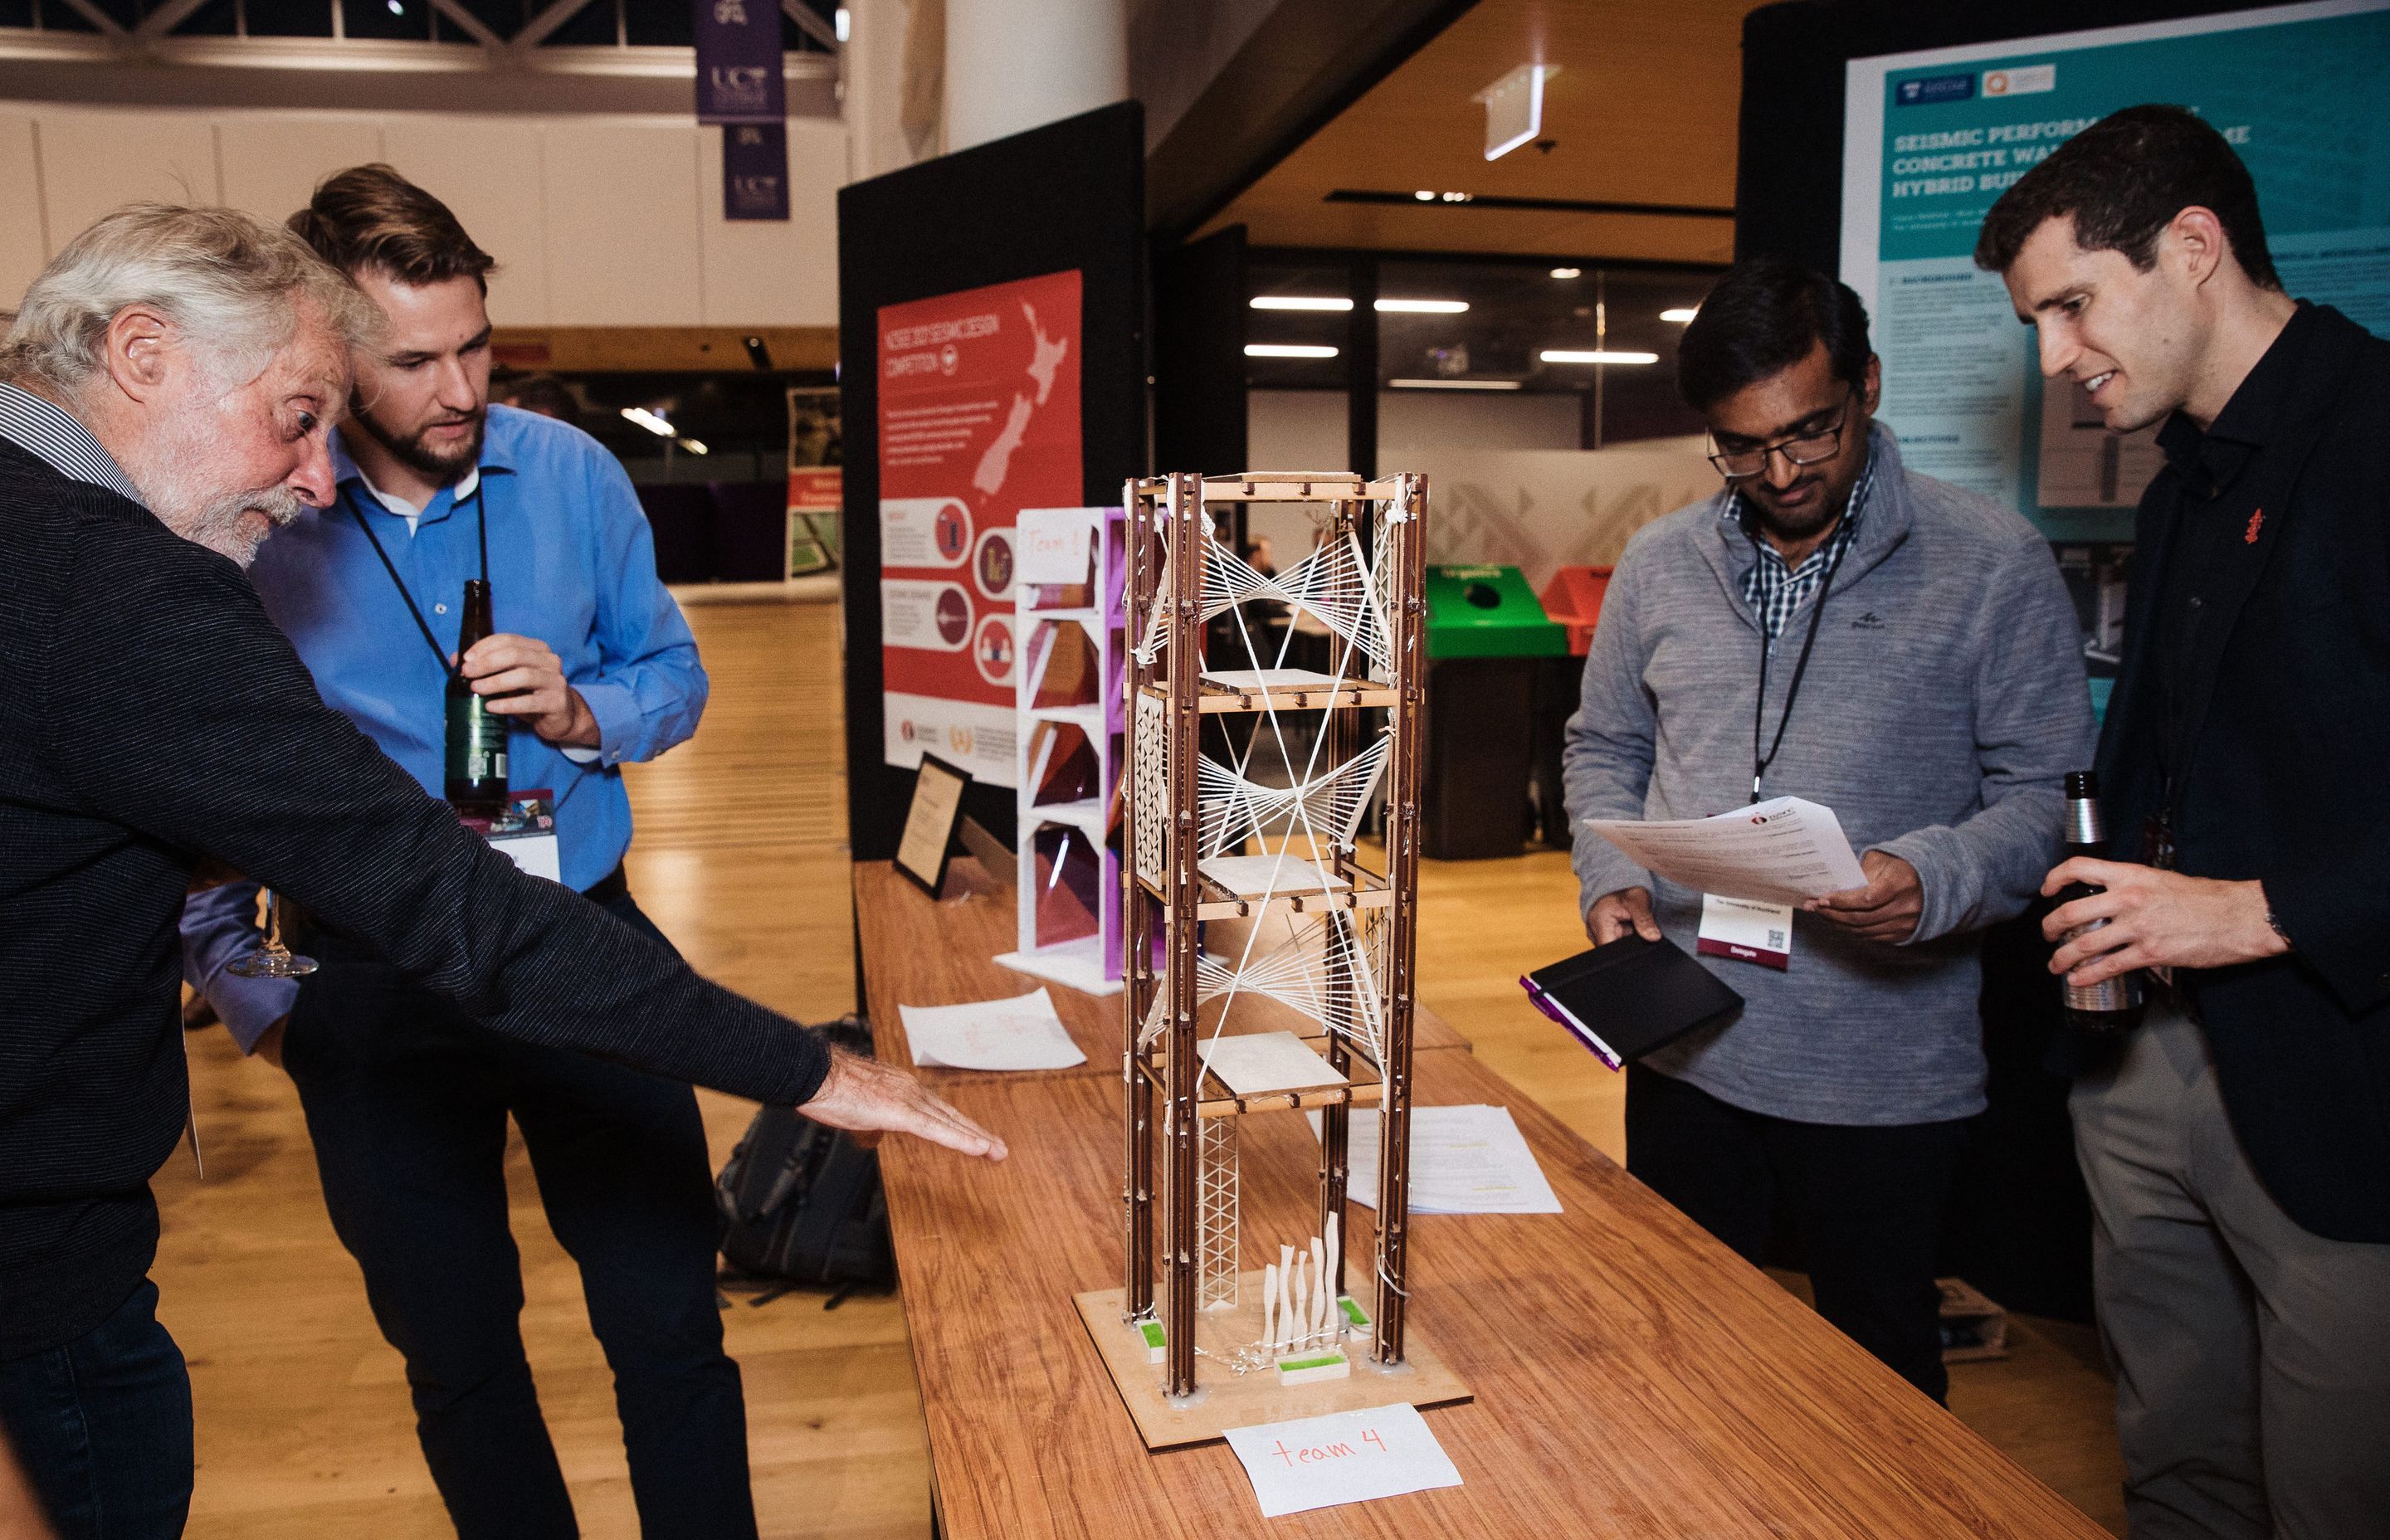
<point x="175" y="373"/>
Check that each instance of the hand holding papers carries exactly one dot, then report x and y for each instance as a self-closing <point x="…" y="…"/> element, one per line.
<point x="1781" y="851"/>
<point x="1019" y="1033"/>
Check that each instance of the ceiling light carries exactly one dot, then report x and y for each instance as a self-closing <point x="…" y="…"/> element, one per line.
<point x="1454" y="384"/>
<point x="1458" y="197"/>
<point x="1424" y="196"/>
<point x="692" y="445"/>
<point x="1679" y="316"/>
<point x="1421" y="307"/>
<point x="653" y="422"/>
<point x="1301" y="301"/>
<point x="842" y="24"/>
<point x="1287" y="350"/>
<point x="1566" y="271"/>
<point x="1590" y="355"/>
<point x="1514" y="109"/>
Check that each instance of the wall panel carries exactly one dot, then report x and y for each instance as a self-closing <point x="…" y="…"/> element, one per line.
<point x="22" y="251"/>
<point x="763" y="271"/>
<point x="491" y="174"/>
<point x="97" y="160"/>
<point x="271" y="162"/>
<point x="623" y="211"/>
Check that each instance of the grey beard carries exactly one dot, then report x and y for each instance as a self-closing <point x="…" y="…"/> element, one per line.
<point x="217" y="524"/>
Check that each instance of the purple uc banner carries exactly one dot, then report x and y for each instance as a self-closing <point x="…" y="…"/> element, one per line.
<point x="739" y="63"/>
<point x="756" y="170"/>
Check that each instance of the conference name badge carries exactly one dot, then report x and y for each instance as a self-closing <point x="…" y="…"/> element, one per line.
<point x="1746" y="931"/>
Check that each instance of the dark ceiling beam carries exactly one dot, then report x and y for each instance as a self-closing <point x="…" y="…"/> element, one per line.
<point x="809" y="23"/>
<point x="1307" y="62"/>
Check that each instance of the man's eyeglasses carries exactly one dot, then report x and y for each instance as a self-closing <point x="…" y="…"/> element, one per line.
<point x="1803" y="449"/>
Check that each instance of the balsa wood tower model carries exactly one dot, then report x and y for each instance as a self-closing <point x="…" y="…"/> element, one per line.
<point x="1248" y="907"/>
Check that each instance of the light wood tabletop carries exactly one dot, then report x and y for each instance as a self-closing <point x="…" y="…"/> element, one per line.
<point x="920" y="951"/>
<point x="1631" y="1376"/>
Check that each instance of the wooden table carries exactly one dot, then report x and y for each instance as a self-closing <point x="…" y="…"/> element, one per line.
<point x="1632" y="1377"/>
<point x="920" y="951"/>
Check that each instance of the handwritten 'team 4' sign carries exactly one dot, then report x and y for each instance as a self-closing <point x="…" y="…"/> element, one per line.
<point x="1344" y="1457"/>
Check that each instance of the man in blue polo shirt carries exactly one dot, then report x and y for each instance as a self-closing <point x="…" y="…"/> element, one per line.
<point x="406" y="1099"/>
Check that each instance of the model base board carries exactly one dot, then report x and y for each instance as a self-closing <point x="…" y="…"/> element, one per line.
<point x="1224" y="1400"/>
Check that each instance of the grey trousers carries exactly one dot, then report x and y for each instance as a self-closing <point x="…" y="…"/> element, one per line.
<point x="2251" y="1357"/>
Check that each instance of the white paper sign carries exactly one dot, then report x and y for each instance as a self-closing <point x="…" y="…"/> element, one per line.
<point x="1776" y="851"/>
<point x="1464" y="1160"/>
<point x="1019" y="1033"/>
<point x="1054" y="545"/>
<point x="1343" y="1457"/>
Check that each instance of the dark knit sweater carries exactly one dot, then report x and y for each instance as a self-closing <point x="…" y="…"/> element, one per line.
<point x="150" y="714"/>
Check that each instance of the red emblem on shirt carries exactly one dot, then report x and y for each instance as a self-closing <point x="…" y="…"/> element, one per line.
<point x="2257" y="523"/>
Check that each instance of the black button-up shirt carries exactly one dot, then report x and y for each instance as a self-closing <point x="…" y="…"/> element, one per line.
<point x="2218" y="518"/>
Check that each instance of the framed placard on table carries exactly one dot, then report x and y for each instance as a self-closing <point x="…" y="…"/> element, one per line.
<point x="929" y="834"/>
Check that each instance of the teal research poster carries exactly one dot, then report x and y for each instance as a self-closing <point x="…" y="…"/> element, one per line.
<point x="1930" y="139"/>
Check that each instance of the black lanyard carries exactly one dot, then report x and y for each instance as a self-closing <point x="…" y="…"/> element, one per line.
<point x="1759" y="707"/>
<point x="481" y="517"/>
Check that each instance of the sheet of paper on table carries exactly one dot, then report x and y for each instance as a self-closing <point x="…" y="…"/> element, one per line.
<point x="1776" y="851"/>
<point x="1256" y="1064"/>
<point x="1019" y="1033"/>
<point x="1343" y="1457"/>
<point x="1464" y="1160"/>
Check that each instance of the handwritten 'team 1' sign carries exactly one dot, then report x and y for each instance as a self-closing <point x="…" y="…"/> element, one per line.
<point x="1344" y="1457"/>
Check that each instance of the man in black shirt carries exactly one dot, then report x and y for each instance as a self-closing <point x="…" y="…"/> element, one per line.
<point x="166" y="389"/>
<point x="2237" y="1145"/>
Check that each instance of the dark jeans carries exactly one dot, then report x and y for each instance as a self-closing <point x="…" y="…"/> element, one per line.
<point x="1868" y="1202"/>
<point x="102" y="1426"/>
<point x="407" y="1103"/>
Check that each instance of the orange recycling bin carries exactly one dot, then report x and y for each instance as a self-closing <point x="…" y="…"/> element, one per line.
<point x="1573" y="598"/>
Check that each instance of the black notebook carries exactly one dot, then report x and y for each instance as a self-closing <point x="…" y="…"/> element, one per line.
<point x="1629" y="997"/>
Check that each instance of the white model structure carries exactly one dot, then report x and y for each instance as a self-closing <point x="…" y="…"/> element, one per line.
<point x="1070" y="689"/>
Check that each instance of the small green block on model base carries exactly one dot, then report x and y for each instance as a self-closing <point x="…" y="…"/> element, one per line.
<point x="1353" y="1312"/>
<point x="1154" y="1339"/>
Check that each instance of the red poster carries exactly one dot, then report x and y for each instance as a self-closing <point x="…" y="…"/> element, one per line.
<point x="979" y="418"/>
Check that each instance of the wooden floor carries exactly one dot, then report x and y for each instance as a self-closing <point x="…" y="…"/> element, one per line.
<point x="304" y="1428"/>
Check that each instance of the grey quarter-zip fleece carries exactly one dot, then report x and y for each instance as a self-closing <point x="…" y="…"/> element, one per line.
<point x="1943" y="706"/>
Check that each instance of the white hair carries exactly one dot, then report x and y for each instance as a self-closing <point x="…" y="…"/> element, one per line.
<point x="229" y="283"/>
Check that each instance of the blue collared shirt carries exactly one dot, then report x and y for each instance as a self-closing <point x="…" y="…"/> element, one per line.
<point x="572" y="564"/>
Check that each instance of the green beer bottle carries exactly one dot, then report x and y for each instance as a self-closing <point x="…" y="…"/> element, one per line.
<point x="477" y="736"/>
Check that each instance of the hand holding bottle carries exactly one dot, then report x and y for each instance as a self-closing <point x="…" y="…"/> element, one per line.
<point x="522" y="678"/>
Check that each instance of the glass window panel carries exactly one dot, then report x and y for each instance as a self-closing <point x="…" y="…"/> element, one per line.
<point x="1070" y="883"/>
<point x="1062" y="766"/>
<point x="1063" y="666"/>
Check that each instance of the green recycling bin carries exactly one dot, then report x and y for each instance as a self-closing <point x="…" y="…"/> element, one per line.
<point x="1486" y="632"/>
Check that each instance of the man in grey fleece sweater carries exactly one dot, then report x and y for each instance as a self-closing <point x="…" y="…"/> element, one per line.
<point x="1922" y="678"/>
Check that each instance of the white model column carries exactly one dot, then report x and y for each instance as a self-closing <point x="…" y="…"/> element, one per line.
<point x="1013" y="65"/>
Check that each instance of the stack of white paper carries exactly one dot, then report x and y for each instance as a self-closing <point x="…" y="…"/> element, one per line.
<point x="1464" y="1160"/>
<point x="1019" y="1033"/>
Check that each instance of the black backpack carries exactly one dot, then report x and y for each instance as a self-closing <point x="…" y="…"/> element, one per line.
<point x="801" y="1205"/>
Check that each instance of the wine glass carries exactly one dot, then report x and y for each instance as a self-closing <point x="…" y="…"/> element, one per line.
<point x="271" y="959"/>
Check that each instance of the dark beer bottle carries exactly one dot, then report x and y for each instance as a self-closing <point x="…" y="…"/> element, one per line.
<point x="2116" y="1004"/>
<point x="477" y="736"/>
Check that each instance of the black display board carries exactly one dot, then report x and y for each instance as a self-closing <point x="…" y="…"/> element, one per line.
<point x="1070" y="194"/>
<point x="1788" y="194"/>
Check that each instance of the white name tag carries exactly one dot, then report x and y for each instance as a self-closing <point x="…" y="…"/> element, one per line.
<point x="1746" y="931"/>
<point x="536" y="854"/>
